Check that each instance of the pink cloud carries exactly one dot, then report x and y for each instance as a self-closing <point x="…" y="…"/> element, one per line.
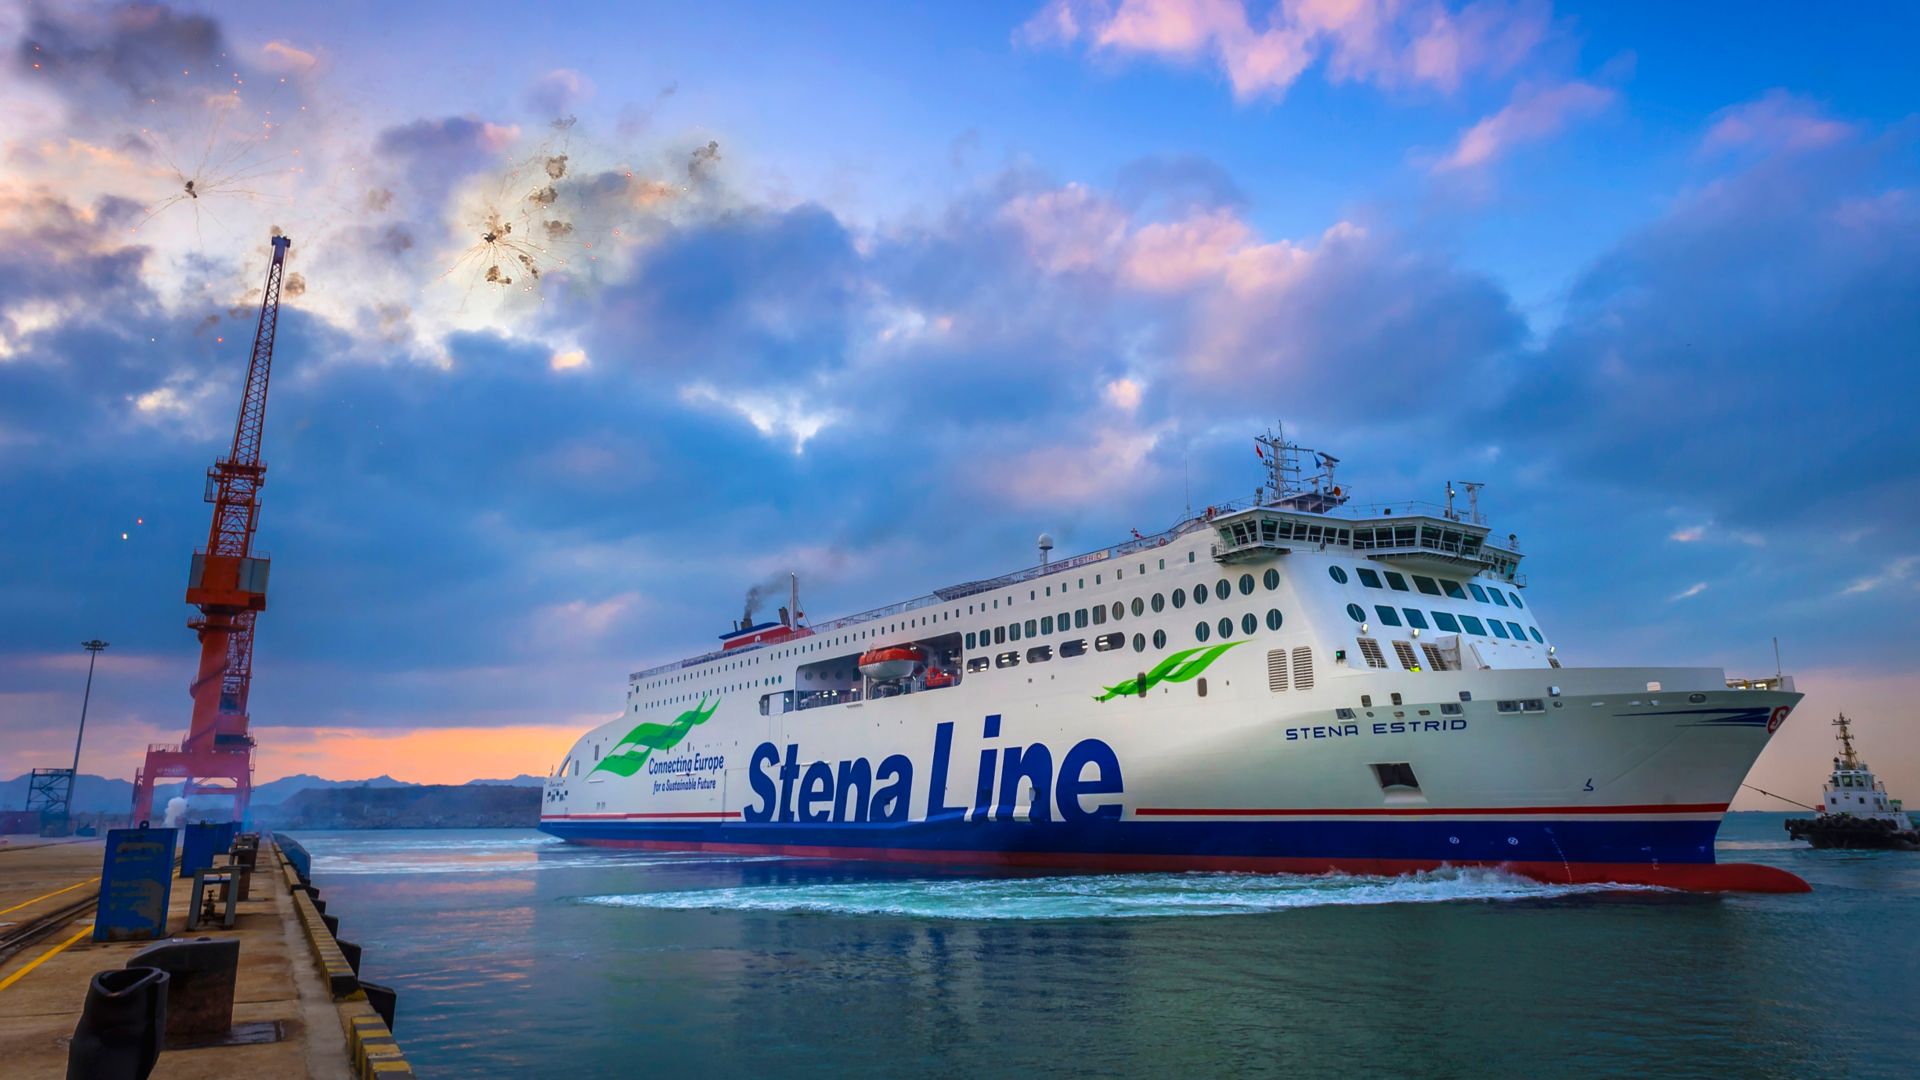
<point x="1777" y="122"/>
<point x="1068" y="228"/>
<point x="1529" y="117"/>
<point x="1384" y="42"/>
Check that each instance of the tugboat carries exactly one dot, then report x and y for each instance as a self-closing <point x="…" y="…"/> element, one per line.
<point x="1858" y="812"/>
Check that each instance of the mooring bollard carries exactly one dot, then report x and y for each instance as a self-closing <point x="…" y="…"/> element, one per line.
<point x="122" y="1026"/>
<point x="201" y="977"/>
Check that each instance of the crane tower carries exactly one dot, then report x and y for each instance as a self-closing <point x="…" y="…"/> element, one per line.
<point x="228" y="583"/>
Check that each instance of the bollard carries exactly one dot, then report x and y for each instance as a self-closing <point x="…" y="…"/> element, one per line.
<point x="351" y="951"/>
<point x="122" y="1026"/>
<point x="201" y="977"/>
<point x="383" y="999"/>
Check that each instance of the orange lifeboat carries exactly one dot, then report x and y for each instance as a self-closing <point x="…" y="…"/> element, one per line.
<point x="889" y="663"/>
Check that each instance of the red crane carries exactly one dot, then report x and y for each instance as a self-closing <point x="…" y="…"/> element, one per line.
<point x="228" y="583"/>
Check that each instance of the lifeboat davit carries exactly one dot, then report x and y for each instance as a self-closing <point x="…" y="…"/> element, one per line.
<point x="889" y="663"/>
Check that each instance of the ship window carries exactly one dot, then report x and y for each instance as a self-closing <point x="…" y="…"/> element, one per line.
<point x="1479" y="593"/>
<point x="999" y="635"/>
<point x="1355" y="613"/>
<point x="1388" y="617"/>
<point x="1179" y="599"/>
<point x="1453" y="589"/>
<point x="1533" y="704"/>
<point x="1337" y="574"/>
<point x="1007" y="659"/>
<point x="1076" y="647"/>
<point x="1189" y="556"/>
<point x="1222" y="589"/>
<point x="1119" y="611"/>
<point x="1080" y="619"/>
<point x="1246" y="584"/>
<point x="1366" y="701"/>
<point x="1159" y="602"/>
<point x="1448" y="708"/>
<point x="1396" y="582"/>
<point x="1518" y="634"/>
<point x="1426" y="585"/>
<point x="1415" y="618"/>
<point x="1370" y="649"/>
<point x="1199" y="594"/>
<point x="1445" y="621"/>
<point x="1535" y="631"/>
<point x="1046" y="624"/>
<point x="1472" y="623"/>
<point x="1159" y="639"/>
<point x="1039" y="654"/>
<point x="1100" y="615"/>
<point x="1367" y="577"/>
<point x="1200" y="685"/>
<point x="1271" y="579"/>
<point x="1515" y="597"/>
<point x="1496" y="597"/>
<point x="1395" y="698"/>
<point x="1139" y="606"/>
<point x="1032" y="625"/>
<point x="1274" y="618"/>
<point x="1013" y="632"/>
<point x="1109" y="642"/>
<point x="1249" y="624"/>
<point x="1201" y="631"/>
<point x="1066" y="621"/>
<point x="1397" y="774"/>
<point x="1507" y="706"/>
<point x="1343" y="714"/>
<point x="1139" y="643"/>
<point x="1225" y="627"/>
<point x="1498" y="630"/>
<point x="971" y="636"/>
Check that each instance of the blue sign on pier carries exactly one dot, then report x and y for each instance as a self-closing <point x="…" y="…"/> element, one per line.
<point x="136" y="881"/>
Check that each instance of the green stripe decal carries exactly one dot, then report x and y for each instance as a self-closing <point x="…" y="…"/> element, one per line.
<point x="631" y="752"/>
<point x="1179" y="667"/>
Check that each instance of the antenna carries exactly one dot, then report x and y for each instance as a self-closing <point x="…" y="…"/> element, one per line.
<point x="1776" y="661"/>
<point x="1451" y="516"/>
<point x="1846" y="741"/>
<point x="1473" y="500"/>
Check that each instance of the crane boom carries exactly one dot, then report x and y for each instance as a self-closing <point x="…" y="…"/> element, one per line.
<point x="228" y="583"/>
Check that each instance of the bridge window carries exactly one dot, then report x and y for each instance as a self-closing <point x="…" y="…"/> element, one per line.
<point x="1415" y="619"/>
<point x="1498" y="630"/>
<point x="1388" y="616"/>
<point x="1337" y="574"/>
<point x="1446" y="621"/>
<point x="1497" y="597"/>
<point x="1109" y="642"/>
<point x="1426" y="585"/>
<point x="1518" y="634"/>
<point x="1396" y="582"/>
<point x="1479" y="593"/>
<point x="1472" y="623"/>
<point x="1367" y="577"/>
<point x="1453" y="589"/>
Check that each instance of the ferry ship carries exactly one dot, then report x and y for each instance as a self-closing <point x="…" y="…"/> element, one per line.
<point x="1291" y="683"/>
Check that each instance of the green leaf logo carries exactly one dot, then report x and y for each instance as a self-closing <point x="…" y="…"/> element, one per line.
<point x="1179" y="667"/>
<point x="631" y="752"/>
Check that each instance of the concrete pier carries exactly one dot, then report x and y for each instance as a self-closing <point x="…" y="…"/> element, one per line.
<point x="291" y="993"/>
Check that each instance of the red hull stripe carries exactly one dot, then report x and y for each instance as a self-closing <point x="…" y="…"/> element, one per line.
<point x="1691" y="877"/>
<point x="1431" y="811"/>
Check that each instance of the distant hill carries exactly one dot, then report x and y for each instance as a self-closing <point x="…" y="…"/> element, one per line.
<point x="105" y="795"/>
<point x="476" y="805"/>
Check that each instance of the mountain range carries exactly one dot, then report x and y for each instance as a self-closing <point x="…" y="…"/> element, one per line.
<point x="101" y="794"/>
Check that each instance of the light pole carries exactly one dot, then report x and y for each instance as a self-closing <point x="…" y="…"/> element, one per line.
<point x="93" y="653"/>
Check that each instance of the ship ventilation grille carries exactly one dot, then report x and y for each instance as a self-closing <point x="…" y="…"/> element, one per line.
<point x="1370" y="649"/>
<point x="1438" y="660"/>
<point x="1405" y="652"/>
<point x="1276" y="670"/>
<point x="1303" y="668"/>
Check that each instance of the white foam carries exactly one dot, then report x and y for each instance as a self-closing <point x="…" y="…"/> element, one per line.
<point x="1111" y="896"/>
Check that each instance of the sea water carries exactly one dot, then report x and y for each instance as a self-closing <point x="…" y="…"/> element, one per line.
<point x="515" y="954"/>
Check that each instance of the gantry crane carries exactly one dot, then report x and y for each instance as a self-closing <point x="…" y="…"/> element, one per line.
<point x="228" y="583"/>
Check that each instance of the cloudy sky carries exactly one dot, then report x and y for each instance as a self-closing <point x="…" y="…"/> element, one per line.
<point x="880" y="292"/>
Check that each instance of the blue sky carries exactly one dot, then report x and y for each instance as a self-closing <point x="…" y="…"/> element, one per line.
<point x="945" y="276"/>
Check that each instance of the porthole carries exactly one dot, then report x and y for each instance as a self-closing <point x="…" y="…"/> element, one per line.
<point x="1199" y="594"/>
<point x="1179" y="599"/>
<point x="1139" y="606"/>
<point x="1271" y="579"/>
<point x="1159" y="639"/>
<point x="1159" y="603"/>
<point x="1515" y="597"/>
<point x="1249" y="624"/>
<point x="1222" y="589"/>
<point x="1274" y="618"/>
<point x="1119" y="610"/>
<point x="1535" y="631"/>
<point x="1139" y="643"/>
<point x="1354" y="613"/>
<point x="1225" y="627"/>
<point x="1201" y="631"/>
<point x="1338" y="574"/>
<point x="1246" y="584"/>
